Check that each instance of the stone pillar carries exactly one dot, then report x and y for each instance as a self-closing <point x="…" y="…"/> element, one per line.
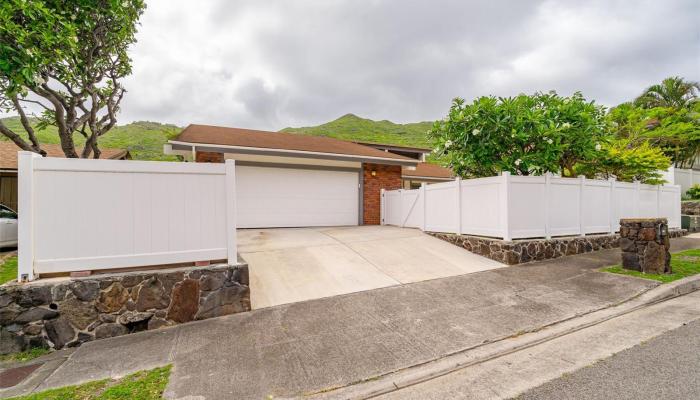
<point x="645" y="245"/>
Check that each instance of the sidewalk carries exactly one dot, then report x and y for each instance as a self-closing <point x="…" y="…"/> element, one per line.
<point x="313" y="346"/>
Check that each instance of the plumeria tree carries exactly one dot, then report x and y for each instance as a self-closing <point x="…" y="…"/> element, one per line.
<point x="526" y="134"/>
<point x="65" y="60"/>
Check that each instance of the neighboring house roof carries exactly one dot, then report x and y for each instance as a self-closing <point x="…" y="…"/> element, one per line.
<point x="385" y="146"/>
<point x="426" y="170"/>
<point x="8" y="153"/>
<point x="248" y="140"/>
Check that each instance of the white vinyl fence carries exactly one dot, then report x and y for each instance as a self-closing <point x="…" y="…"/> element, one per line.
<point x="513" y="207"/>
<point x="685" y="178"/>
<point x="80" y="214"/>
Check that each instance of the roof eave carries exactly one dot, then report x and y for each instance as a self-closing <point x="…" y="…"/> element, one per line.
<point x="179" y="145"/>
<point x="427" y="178"/>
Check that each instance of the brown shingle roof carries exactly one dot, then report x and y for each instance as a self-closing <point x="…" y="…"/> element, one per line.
<point x="217" y="135"/>
<point x="397" y="146"/>
<point x="428" y="171"/>
<point x="8" y="153"/>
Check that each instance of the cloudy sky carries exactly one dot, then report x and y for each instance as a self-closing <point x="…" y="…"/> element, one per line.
<point x="271" y="64"/>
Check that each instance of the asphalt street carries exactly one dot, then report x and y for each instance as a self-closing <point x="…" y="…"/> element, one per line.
<point x="666" y="367"/>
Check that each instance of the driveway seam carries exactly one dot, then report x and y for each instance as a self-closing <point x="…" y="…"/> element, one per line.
<point x="364" y="258"/>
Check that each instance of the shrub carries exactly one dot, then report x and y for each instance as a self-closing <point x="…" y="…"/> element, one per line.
<point x="694" y="192"/>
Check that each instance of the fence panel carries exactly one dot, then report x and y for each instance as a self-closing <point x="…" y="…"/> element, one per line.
<point x="79" y="214"/>
<point x="513" y="207"/>
<point x="412" y="206"/>
<point x="564" y="206"/>
<point x="528" y="206"/>
<point x="441" y="212"/>
<point x="597" y="206"/>
<point x="480" y="203"/>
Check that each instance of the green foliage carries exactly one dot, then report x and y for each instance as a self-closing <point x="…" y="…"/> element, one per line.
<point x="8" y="270"/>
<point x="675" y="130"/>
<point x="683" y="264"/>
<point x="674" y="92"/>
<point x="693" y="192"/>
<point x="525" y="134"/>
<point x="65" y="57"/>
<point x="626" y="161"/>
<point x="354" y="128"/>
<point x="142" y="385"/>
<point x="143" y="139"/>
<point x="65" y="40"/>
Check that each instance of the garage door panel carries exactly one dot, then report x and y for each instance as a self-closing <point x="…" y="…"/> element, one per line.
<point x="286" y="197"/>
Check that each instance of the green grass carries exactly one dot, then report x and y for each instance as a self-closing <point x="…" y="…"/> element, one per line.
<point x="143" y="139"/>
<point x="8" y="270"/>
<point x="683" y="264"/>
<point x="25" y="355"/>
<point x="143" y="385"/>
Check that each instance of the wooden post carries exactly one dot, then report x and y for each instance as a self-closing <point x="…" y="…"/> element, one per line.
<point x="231" y="240"/>
<point x="25" y="229"/>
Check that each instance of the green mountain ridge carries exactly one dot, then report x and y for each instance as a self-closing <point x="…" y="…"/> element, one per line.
<point x="354" y="128"/>
<point x="145" y="139"/>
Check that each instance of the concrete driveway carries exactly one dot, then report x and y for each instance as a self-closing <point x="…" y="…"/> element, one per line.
<point x="295" y="264"/>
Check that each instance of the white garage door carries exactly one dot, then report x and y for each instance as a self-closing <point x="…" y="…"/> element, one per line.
<point x="288" y="197"/>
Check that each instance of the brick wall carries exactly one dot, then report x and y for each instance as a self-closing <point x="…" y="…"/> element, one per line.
<point x="387" y="177"/>
<point x="209" y="157"/>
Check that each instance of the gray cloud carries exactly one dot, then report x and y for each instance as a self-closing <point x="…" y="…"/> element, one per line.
<point x="273" y="64"/>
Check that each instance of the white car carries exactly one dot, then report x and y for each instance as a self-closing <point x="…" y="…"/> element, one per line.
<point x="8" y="227"/>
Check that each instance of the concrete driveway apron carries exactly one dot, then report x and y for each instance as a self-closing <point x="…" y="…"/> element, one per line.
<point x="296" y="264"/>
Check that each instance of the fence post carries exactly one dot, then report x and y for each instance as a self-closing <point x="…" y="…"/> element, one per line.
<point x="401" y="208"/>
<point x="505" y="205"/>
<point x="424" y="204"/>
<point x="25" y="204"/>
<point x="458" y="183"/>
<point x="582" y="186"/>
<point x="547" y="183"/>
<point x="637" y="189"/>
<point x="613" y="205"/>
<point x="692" y="182"/>
<point x="231" y="240"/>
<point x="658" y="201"/>
<point x="382" y="206"/>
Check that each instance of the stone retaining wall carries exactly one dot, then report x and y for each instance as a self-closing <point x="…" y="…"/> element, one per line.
<point x="690" y="207"/>
<point x="522" y="251"/>
<point x="68" y="312"/>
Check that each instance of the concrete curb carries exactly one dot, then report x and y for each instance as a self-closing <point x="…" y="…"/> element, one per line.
<point x="503" y="346"/>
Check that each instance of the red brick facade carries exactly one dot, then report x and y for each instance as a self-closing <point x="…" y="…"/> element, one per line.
<point x="209" y="157"/>
<point x="386" y="177"/>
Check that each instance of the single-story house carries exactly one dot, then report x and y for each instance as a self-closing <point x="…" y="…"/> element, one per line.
<point x="8" y="167"/>
<point x="292" y="180"/>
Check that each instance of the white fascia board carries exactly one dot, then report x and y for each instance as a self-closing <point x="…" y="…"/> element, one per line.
<point x="203" y="146"/>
